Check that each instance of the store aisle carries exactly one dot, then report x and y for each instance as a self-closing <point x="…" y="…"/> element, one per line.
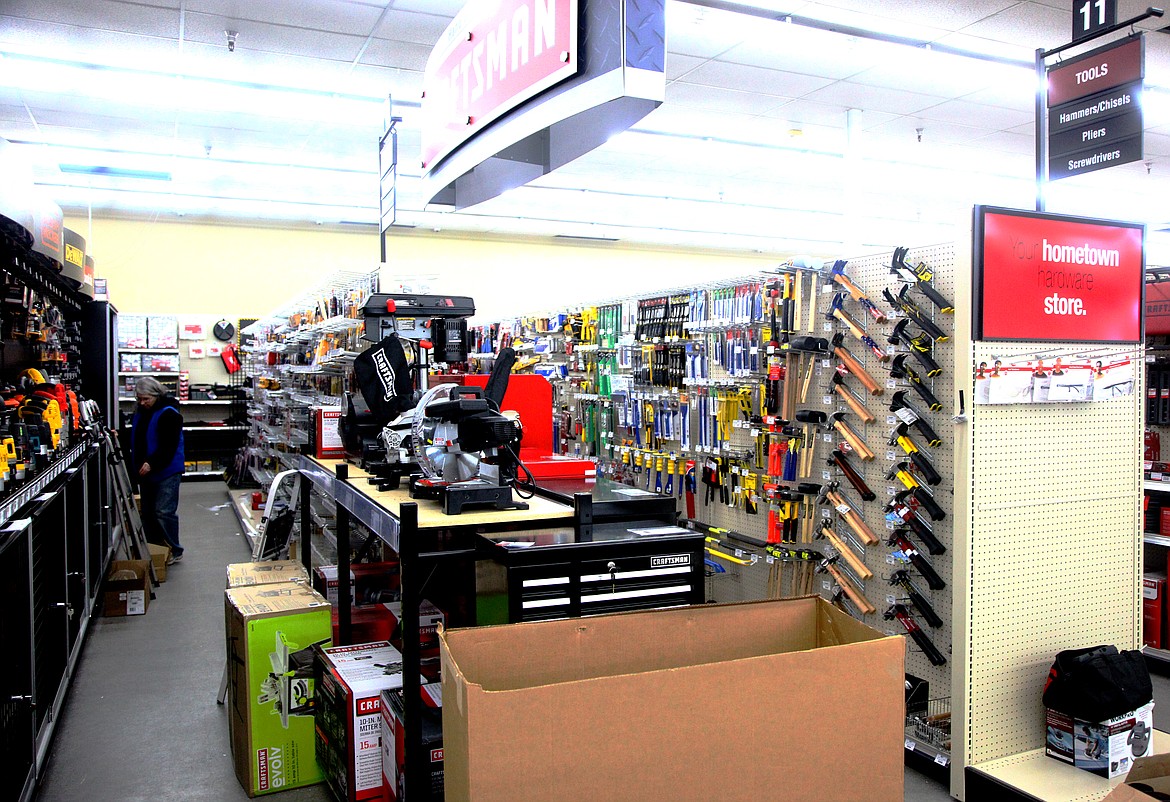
<point x="141" y="722"/>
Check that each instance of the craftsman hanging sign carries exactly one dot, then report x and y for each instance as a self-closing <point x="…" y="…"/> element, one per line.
<point x="1094" y="118"/>
<point x="1091" y="17"/>
<point x="1053" y="278"/>
<point x="494" y="55"/>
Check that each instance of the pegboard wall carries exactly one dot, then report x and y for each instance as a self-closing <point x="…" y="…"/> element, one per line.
<point x="1049" y="546"/>
<point x="742" y="392"/>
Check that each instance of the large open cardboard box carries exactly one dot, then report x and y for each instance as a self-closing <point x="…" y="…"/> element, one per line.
<point x="789" y="699"/>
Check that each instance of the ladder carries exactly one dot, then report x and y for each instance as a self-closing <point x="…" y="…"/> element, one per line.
<point x="128" y="532"/>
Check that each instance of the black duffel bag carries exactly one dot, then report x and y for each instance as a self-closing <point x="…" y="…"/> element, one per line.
<point x="1098" y="683"/>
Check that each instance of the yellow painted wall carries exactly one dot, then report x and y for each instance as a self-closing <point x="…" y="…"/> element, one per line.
<point x="235" y="271"/>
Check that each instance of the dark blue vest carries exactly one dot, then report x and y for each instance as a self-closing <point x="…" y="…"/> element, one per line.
<point x="175" y="466"/>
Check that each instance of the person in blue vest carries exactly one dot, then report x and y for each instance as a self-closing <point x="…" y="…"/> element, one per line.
<point x="156" y="460"/>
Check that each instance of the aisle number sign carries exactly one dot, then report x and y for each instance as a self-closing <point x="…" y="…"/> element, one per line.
<point x="1054" y="278"/>
<point x="494" y="56"/>
<point x="1092" y="16"/>
<point x="1094" y="117"/>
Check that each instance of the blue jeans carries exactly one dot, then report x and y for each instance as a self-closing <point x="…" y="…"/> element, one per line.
<point x="160" y="511"/>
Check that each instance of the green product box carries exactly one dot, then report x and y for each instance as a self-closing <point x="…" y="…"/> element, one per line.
<point x="271" y="631"/>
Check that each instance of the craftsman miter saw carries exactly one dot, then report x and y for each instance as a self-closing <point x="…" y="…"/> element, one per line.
<point x="452" y="441"/>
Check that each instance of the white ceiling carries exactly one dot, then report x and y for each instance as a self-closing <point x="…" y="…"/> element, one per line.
<point x="139" y="108"/>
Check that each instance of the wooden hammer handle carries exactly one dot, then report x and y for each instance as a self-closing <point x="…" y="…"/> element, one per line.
<point x="848" y="554"/>
<point x="854" y="441"/>
<point x="853" y="290"/>
<point x="852" y="592"/>
<point x="858" y="408"/>
<point x="849" y="322"/>
<point x="850" y="361"/>
<point x="855" y="521"/>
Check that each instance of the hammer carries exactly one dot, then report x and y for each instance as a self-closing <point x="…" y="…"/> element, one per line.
<point x="921" y="495"/>
<point x="839" y="460"/>
<point x="900" y="370"/>
<point x="901" y="578"/>
<point x="831" y="495"/>
<point x="851" y="437"/>
<point x="847" y="395"/>
<point x="836" y="311"/>
<point x="902" y="543"/>
<point x="855" y="292"/>
<point x="899" y="512"/>
<point x="856" y="596"/>
<point x="915" y="313"/>
<point x="854" y="365"/>
<point x="899" y="403"/>
<point x="815" y="418"/>
<point x="847" y="554"/>
<point x="923" y="640"/>
<point x="901" y="436"/>
<point x="899" y="336"/>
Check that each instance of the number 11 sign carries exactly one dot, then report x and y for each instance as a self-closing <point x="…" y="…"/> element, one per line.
<point x="1092" y="16"/>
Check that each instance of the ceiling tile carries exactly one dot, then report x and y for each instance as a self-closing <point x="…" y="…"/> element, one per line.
<point x="912" y="129"/>
<point x="104" y="15"/>
<point x="724" y="75"/>
<point x="337" y="16"/>
<point x="858" y="96"/>
<point x="407" y="26"/>
<point x="703" y="32"/>
<point x="273" y="38"/>
<point x="719" y="100"/>
<point x="991" y="118"/>
<point x="678" y="65"/>
<point x="1040" y="25"/>
<point x="950" y="16"/>
<point x="1009" y="142"/>
<point x="794" y="48"/>
<point x="405" y="55"/>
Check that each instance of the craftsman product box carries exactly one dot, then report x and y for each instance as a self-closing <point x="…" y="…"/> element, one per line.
<point x="271" y="632"/>
<point x="159" y="556"/>
<point x="637" y="700"/>
<point x="430" y="618"/>
<point x="127" y="588"/>
<point x="265" y="573"/>
<point x="369" y="583"/>
<point x="349" y="716"/>
<point x="393" y="736"/>
<point x="327" y="443"/>
<point x="1164" y="523"/>
<point x="1107" y="748"/>
<point x="1154" y="609"/>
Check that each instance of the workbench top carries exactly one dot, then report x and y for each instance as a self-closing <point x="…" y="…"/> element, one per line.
<point x="430" y="512"/>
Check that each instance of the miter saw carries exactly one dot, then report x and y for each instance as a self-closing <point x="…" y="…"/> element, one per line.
<point x="453" y="441"/>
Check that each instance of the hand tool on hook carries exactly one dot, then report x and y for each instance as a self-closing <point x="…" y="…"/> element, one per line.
<point x="837" y="312"/>
<point x="855" y="292"/>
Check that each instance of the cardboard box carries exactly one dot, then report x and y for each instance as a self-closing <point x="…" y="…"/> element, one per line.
<point x="271" y="632"/>
<point x="1164" y="528"/>
<point x="265" y="573"/>
<point x="368" y="623"/>
<point x="127" y="596"/>
<point x="159" y="556"/>
<point x="393" y="770"/>
<point x="369" y="583"/>
<point x="1154" y="609"/>
<point x="349" y="716"/>
<point x="430" y="618"/>
<point x="1107" y="748"/>
<point x="1152" y="771"/>
<point x="328" y="443"/>
<point x="204" y="466"/>
<point x="628" y="706"/>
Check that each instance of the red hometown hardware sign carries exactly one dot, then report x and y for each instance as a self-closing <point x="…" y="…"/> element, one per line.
<point x="1060" y="279"/>
<point x="494" y="55"/>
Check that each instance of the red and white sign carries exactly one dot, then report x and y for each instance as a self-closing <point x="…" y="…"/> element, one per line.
<point x="1050" y="278"/>
<point x="1096" y="71"/>
<point x="494" y="55"/>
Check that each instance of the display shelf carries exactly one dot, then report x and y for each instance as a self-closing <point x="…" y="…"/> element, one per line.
<point x="1157" y="487"/>
<point x="1161" y="655"/>
<point x="241" y="502"/>
<point x="1155" y="539"/>
<point x="215" y="428"/>
<point x="149" y="372"/>
<point x="12" y="504"/>
<point x="148" y="350"/>
<point x="1034" y="775"/>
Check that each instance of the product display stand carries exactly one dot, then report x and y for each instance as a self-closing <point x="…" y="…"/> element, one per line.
<point x="1048" y="556"/>
<point x="437" y="554"/>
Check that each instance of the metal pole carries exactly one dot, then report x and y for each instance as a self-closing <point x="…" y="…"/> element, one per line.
<point x="1041" y="142"/>
<point x="344" y="612"/>
<point x="410" y="581"/>
<point x="306" y="524"/>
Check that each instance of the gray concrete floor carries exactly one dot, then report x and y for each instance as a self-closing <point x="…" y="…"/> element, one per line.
<point x="141" y="722"/>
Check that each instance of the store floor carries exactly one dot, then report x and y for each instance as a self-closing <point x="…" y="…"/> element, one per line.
<point x="141" y="722"/>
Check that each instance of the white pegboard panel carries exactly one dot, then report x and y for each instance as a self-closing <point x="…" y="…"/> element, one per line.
<point x="1053" y="554"/>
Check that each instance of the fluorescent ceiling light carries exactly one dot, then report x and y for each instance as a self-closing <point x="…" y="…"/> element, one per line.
<point x="116" y="172"/>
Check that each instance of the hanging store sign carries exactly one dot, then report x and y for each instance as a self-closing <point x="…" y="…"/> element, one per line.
<point x="1094" y="118"/>
<point x="1052" y="278"/>
<point x="494" y="55"/>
